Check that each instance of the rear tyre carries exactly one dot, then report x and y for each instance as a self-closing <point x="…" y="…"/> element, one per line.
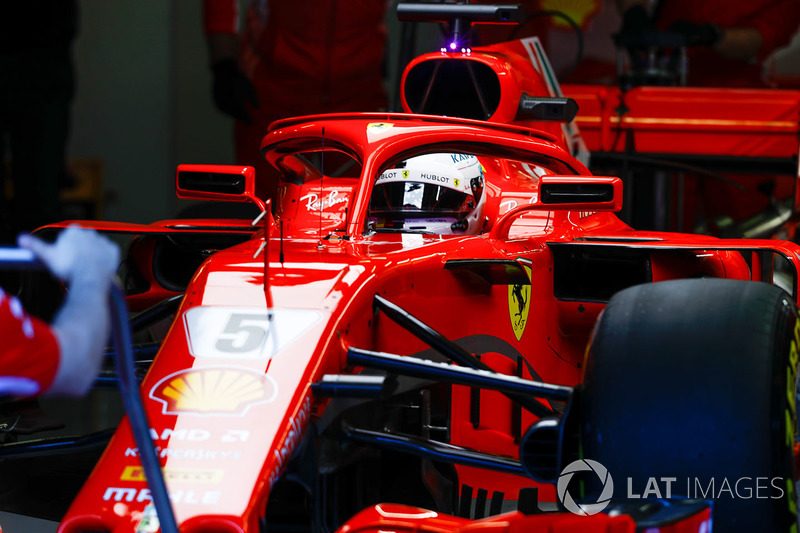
<point x="689" y="392"/>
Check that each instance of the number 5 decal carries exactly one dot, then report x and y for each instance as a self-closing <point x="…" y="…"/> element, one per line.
<point x="243" y="333"/>
<point x="236" y="333"/>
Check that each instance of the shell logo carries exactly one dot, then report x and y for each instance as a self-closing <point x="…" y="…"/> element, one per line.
<point x="213" y="391"/>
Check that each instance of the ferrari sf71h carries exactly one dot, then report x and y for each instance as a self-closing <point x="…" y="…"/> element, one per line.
<point x="442" y="325"/>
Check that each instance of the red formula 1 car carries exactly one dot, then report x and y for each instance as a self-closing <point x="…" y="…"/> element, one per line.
<point x="445" y="327"/>
<point x="305" y="376"/>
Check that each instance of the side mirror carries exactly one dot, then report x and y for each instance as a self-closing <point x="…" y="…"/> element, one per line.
<point x="225" y="183"/>
<point x="581" y="193"/>
<point x="546" y="108"/>
<point x="567" y="193"/>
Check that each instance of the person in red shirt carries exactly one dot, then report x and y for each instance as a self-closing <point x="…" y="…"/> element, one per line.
<point x="62" y="358"/>
<point x="726" y="45"/>
<point x="727" y="41"/>
<point x="292" y="58"/>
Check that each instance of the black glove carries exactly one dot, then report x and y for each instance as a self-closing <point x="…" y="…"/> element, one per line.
<point x="232" y="89"/>
<point x="697" y="34"/>
<point x="635" y="22"/>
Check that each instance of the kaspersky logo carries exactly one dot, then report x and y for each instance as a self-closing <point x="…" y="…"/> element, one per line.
<point x="585" y="508"/>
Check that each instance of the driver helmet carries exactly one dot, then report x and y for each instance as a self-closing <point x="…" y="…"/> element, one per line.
<point x="435" y="193"/>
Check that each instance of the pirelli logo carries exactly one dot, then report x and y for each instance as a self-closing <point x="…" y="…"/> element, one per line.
<point x="177" y="475"/>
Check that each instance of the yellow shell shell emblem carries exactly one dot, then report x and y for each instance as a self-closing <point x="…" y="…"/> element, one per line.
<point x="519" y="303"/>
<point x="213" y="391"/>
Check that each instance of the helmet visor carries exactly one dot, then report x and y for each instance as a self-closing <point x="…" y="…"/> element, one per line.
<point x="412" y="199"/>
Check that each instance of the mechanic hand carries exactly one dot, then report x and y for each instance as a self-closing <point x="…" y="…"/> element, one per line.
<point x="77" y="254"/>
<point x="697" y="34"/>
<point x="232" y="90"/>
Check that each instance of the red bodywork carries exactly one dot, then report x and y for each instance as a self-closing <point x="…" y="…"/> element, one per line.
<point x="229" y="402"/>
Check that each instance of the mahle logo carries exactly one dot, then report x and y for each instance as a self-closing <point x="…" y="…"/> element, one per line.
<point x="584" y="508"/>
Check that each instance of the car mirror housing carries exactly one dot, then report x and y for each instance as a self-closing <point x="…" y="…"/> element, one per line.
<point x="227" y="183"/>
<point x="595" y="193"/>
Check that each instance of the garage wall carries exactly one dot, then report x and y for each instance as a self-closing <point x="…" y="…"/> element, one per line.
<point x="121" y="113"/>
<point x="203" y="134"/>
<point x="143" y="102"/>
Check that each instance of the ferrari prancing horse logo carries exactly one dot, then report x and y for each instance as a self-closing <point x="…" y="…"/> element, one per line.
<point x="378" y="127"/>
<point x="519" y="302"/>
